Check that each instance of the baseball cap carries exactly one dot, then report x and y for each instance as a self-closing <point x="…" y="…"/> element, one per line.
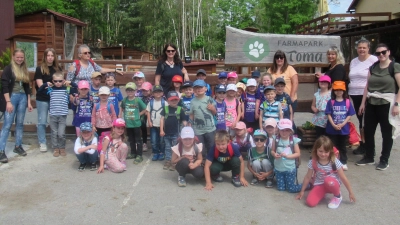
<point x="260" y="133"/>
<point x="223" y="74"/>
<point x="96" y="74"/>
<point x="244" y="80"/>
<point x="157" y="88"/>
<point x="241" y="85"/>
<point x="285" y="124"/>
<point x="255" y="74"/>
<point x="324" y="78"/>
<point x="231" y="87"/>
<point x="279" y="80"/>
<point x="187" y="132"/>
<point x="177" y="78"/>
<point x="130" y="85"/>
<point x="339" y="85"/>
<point x="146" y="86"/>
<point x="119" y="123"/>
<point x="270" y="122"/>
<point x="251" y="82"/>
<point x="220" y="88"/>
<point x="270" y="87"/>
<point x="232" y="75"/>
<point x="83" y="84"/>
<point x="138" y="74"/>
<point x="110" y="74"/>
<point x="201" y="71"/>
<point x="240" y="125"/>
<point x="86" y="126"/>
<point x="187" y="84"/>
<point x="104" y="91"/>
<point x="172" y="95"/>
<point x="199" y="83"/>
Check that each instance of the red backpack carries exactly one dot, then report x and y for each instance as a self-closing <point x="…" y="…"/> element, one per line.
<point x="230" y="151"/>
<point x="100" y="141"/>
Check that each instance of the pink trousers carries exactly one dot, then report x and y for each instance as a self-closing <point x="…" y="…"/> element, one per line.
<point x="317" y="193"/>
<point x="116" y="161"/>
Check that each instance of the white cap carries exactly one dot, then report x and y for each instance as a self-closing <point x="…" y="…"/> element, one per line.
<point x="231" y="87"/>
<point x="187" y="132"/>
<point x="104" y="90"/>
<point x="251" y="82"/>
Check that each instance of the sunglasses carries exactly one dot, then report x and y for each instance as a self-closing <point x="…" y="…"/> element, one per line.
<point x="259" y="139"/>
<point x="279" y="57"/>
<point x="382" y="52"/>
<point x="86" y="53"/>
<point x="130" y="90"/>
<point x="169" y="51"/>
<point x="58" y="81"/>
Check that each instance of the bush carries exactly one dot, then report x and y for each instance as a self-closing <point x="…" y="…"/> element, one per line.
<point x="5" y="58"/>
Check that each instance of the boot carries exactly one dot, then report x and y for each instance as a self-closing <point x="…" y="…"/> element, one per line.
<point x="360" y="150"/>
<point x="62" y="152"/>
<point x="56" y="152"/>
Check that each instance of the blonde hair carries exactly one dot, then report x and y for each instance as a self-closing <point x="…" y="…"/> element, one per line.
<point x="44" y="67"/>
<point x="265" y="74"/>
<point x="58" y="75"/>
<point x="90" y="139"/>
<point x="222" y="135"/>
<point x="20" y="71"/>
<point x="326" y="143"/>
<point x="339" y="55"/>
<point x="113" y="133"/>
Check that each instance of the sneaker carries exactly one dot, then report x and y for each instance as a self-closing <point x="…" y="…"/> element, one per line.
<point x="56" y="152"/>
<point x="82" y="167"/>
<point x="131" y="156"/>
<point x="268" y="183"/>
<point x="364" y="161"/>
<point x="138" y="159"/>
<point x="254" y="181"/>
<point x="217" y="178"/>
<point x="172" y="167"/>
<point x="335" y="202"/>
<point x="236" y="181"/>
<point x="181" y="181"/>
<point x="155" y="157"/>
<point x="43" y="147"/>
<point x="382" y="166"/>
<point x="144" y="147"/>
<point x="19" y="150"/>
<point x="360" y="150"/>
<point x="161" y="156"/>
<point x="93" y="166"/>
<point x="167" y="164"/>
<point x="62" y="152"/>
<point x="345" y="168"/>
<point x="3" y="157"/>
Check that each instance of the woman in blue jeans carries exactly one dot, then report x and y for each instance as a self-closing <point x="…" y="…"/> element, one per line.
<point x="44" y="74"/>
<point x="14" y="100"/>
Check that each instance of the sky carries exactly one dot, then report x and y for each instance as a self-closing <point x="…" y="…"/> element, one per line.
<point x="341" y="8"/>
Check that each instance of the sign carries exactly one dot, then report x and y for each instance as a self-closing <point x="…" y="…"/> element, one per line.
<point x="248" y="48"/>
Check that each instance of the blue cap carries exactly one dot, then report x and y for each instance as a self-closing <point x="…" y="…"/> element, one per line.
<point x="270" y="87"/>
<point x="199" y="83"/>
<point x="260" y="133"/>
<point x="220" y="88"/>
<point x="255" y="73"/>
<point x="223" y="74"/>
<point x="187" y="84"/>
<point x="86" y="126"/>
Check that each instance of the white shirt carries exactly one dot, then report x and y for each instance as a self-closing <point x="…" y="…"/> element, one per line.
<point x="78" y="145"/>
<point x="358" y="74"/>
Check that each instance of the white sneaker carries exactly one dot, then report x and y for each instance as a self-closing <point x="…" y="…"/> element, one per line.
<point x="335" y="202"/>
<point x="345" y="168"/>
<point x="144" y="147"/>
<point x="43" y="147"/>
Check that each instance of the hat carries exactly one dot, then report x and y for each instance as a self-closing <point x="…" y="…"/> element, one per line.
<point x="339" y="85"/>
<point x="187" y="132"/>
<point x="231" y="87"/>
<point x="86" y="126"/>
<point x="119" y="123"/>
<point x="83" y="84"/>
<point x="199" y="83"/>
<point x="251" y="82"/>
<point x="270" y="122"/>
<point x="187" y="84"/>
<point x="285" y="124"/>
<point x="104" y="91"/>
<point x="244" y="80"/>
<point x="270" y="87"/>
<point x="232" y="75"/>
<point x="130" y="85"/>
<point x="146" y="86"/>
<point x="177" y="78"/>
<point x="260" y="133"/>
<point x="138" y="74"/>
<point x="324" y="78"/>
<point x="241" y="85"/>
<point x="201" y="71"/>
<point x="279" y="80"/>
<point x="157" y="88"/>
<point x="220" y="88"/>
<point x="96" y="74"/>
<point x="255" y="74"/>
<point x="223" y="74"/>
<point x="172" y="95"/>
<point x="110" y="74"/>
<point x="240" y="125"/>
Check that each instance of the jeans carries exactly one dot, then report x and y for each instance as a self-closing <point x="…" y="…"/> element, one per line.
<point x="43" y="112"/>
<point x="286" y="180"/>
<point x="19" y="102"/>
<point x="157" y="142"/>
<point x="182" y="167"/>
<point x="233" y="164"/>
<point x="208" y="140"/>
<point x="135" y="138"/>
<point x="339" y="142"/>
<point x="170" y="141"/>
<point x="57" y="125"/>
<point x="87" y="158"/>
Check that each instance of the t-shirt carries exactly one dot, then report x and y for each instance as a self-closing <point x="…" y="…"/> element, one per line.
<point x="167" y="74"/>
<point x="83" y="111"/>
<point x="337" y="73"/>
<point x="287" y="76"/>
<point x="339" y="113"/>
<point x="189" y="154"/>
<point x="103" y="115"/>
<point x="320" y="118"/>
<point x="95" y="94"/>
<point x="131" y="110"/>
<point x="59" y="99"/>
<point x="115" y="97"/>
<point x="84" y="73"/>
<point x="171" y="122"/>
<point x="253" y="155"/>
<point x="221" y="110"/>
<point x="381" y="81"/>
<point x="203" y="118"/>
<point x="185" y="102"/>
<point x="223" y="157"/>
<point x="320" y="176"/>
<point x="285" y="101"/>
<point x="358" y="74"/>
<point x="231" y="111"/>
<point x="42" y="95"/>
<point x="155" y="115"/>
<point x="250" y="106"/>
<point x="270" y="110"/>
<point x="79" y="145"/>
<point x="139" y="93"/>
<point x="283" y="164"/>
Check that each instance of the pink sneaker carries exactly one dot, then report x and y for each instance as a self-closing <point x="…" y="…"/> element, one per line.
<point x="335" y="202"/>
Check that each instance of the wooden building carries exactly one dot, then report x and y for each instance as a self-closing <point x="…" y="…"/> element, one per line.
<point x="127" y="53"/>
<point x="7" y="23"/>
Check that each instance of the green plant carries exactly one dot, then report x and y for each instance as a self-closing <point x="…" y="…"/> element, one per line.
<point x="198" y="43"/>
<point x="5" y="58"/>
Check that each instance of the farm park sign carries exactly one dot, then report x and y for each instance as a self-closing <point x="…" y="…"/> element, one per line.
<point x="248" y="48"/>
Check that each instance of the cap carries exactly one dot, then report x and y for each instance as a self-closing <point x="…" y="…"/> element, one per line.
<point x="201" y="71"/>
<point x="279" y="80"/>
<point x="187" y="84"/>
<point x="251" y="82"/>
<point x="119" y="123"/>
<point x="260" y="133"/>
<point x="199" y="83"/>
<point x="232" y="75"/>
<point x="172" y="95"/>
<point x="187" y="132"/>
<point x="110" y="74"/>
<point x="220" y="88"/>
<point x="255" y="74"/>
<point x="223" y="74"/>
<point x="83" y="84"/>
<point x="270" y="122"/>
<point x="86" y="126"/>
<point x="339" y="85"/>
<point x="138" y="74"/>
<point x="325" y="78"/>
<point x="241" y="85"/>
<point x="240" y="125"/>
<point x="104" y="91"/>
<point x="177" y="78"/>
<point x="231" y="87"/>
<point x="96" y="74"/>
<point x="285" y="124"/>
<point x="270" y="87"/>
<point x="244" y="80"/>
<point x="146" y="86"/>
<point x="130" y="85"/>
<point x="157" y="88"/>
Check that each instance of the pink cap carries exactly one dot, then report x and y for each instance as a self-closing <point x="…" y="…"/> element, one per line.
<point x="232" y="75"/>
<point x="119" y="123"/>
<point x="270" y="122"/>
<point x="83" y="84"/>
<point x="285" y="124"/>
<point x="240" y="125"/>
<point x="324" y="78"/>
<point x="146" y="86"/>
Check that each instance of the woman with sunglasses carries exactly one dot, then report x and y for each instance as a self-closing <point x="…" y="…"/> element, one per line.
<point x="281" y="68"/>
<point x="382" y="106"/>
<point x="168" y="66"/>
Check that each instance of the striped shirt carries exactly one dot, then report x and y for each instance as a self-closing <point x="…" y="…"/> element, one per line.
<point x="59" y="101"/>
<point x="320" y="176"/>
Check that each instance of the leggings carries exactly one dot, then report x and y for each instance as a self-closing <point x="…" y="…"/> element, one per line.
<point x="144" y="132"/>
<point x="357" y="99"/>
<point x="286" y="180"/>
<point x="182" y="167"/>
<point x="330" y="185"/>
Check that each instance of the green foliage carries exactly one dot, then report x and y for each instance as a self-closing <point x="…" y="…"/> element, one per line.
<point x="5" y="58"/>
<point x="198" y="43"/>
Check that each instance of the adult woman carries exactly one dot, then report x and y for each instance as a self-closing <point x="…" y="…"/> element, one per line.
<point x="382" y="103"/>
<point x="336" y="69"/>
<point x="281" y="68"/>
<point x="44" y="74"/>
<point x="359" y="68"/>
<point x="15" y="88"/>
<point x="168" y="66"/>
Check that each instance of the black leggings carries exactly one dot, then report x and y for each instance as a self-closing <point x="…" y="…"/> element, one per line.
<point x="135" y="140"/>
<point x="182" y="166"/>
<point x="357" y="99"/>
<point x="144" y="132"/>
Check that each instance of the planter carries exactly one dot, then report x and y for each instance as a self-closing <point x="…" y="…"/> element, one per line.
<point x="307" y="137"/>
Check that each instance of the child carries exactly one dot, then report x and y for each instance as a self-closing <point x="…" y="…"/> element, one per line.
<point x="176" y="84"/>
<point x="232" y="78"/>
<point x="318" y="105"/>
<point x="187" y="156"/>
<point x="270" y="108"/>
<point x="186" y="97"/>
<point x="243" y="139"/>
<point x="232" y="109"/>
<point x="328" y="175"/>
<point x="114" y="151"/>
<point x="283" y="98"/>
<point x="256" y="76"/>
<point x="138" y="78"/>
<point x="82" y="106"/>
<point x="171" y="118"/>
<point x="224" y="156"/>
<point x="249" y="106"/>
<point x="103" y="113"/>
<point x="146" y="92"/>
<point x="270" y="128"/>
<point x="222" y="78"/>
<point x="220" y="92"/>
<point x="115" y="94"/>
<point x="86" y="147"/>
<point x="339" y="111"/>
<point x="95" y="86"/>
<point x="201" y="75"/>
<point x="260" y="159"/>
<point x="153" y="111"/>
<point x="240" y="95"/>
<point x="132" y="108"/>
<point x="266" y="80"/>
<point x="285" y="152"/>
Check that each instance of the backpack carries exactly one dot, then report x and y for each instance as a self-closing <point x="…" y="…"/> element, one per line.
<point x="230" y="151"/>
<point x="152" y="109"/>
<point x="250" y="155"/>
<point x="100" y="140"/>
<point x="291" y="143"/>
<point x="78" y="67"/>
<point x="108" y="107"/>
<point x="391" y="72"/>
<point x="243" y="147"/>
<point x="347" y="103"/>
<point x="177" y="113"/>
